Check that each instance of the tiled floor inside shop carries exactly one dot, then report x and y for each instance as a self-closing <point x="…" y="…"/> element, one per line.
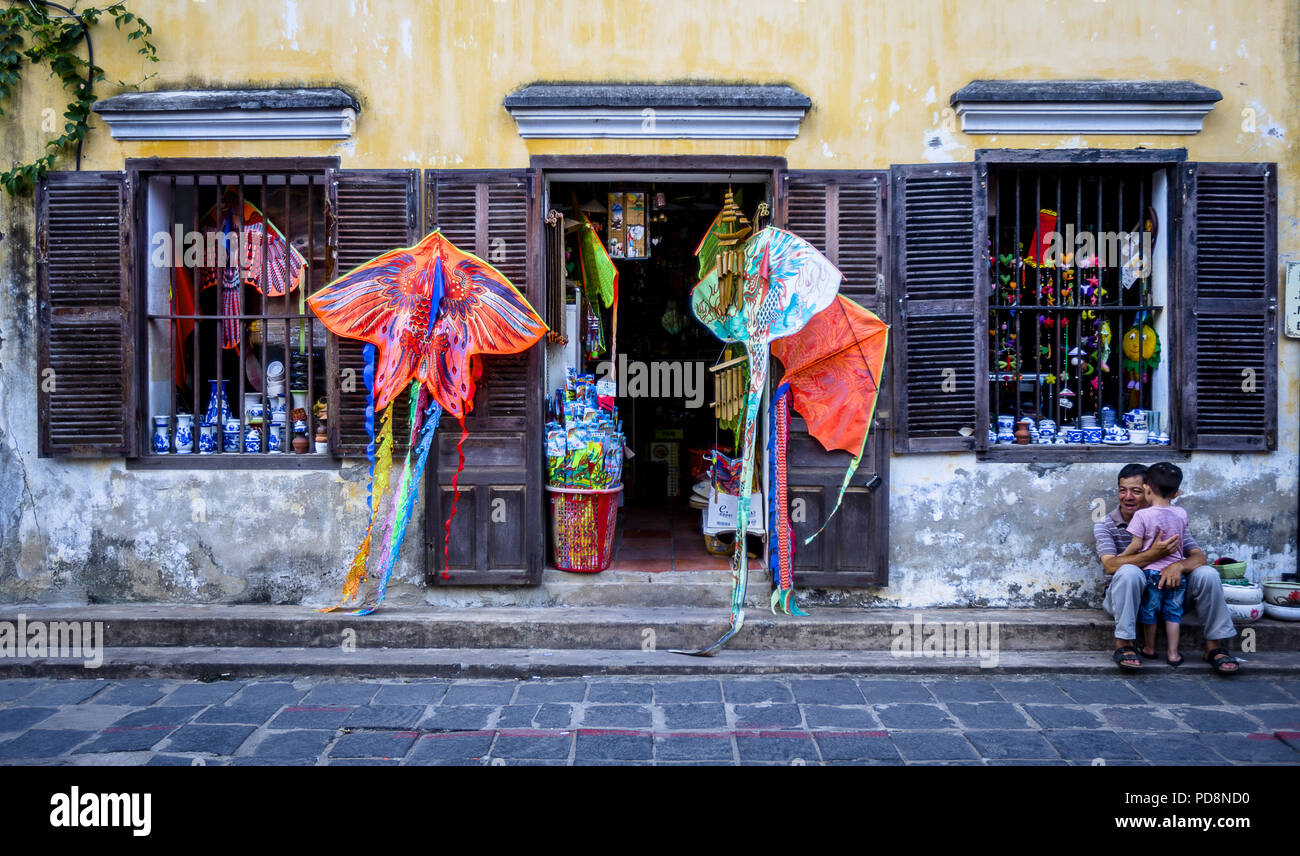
<point x="663" y="539"/>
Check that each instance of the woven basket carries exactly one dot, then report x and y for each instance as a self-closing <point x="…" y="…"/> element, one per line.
<point x="582" y="526"/>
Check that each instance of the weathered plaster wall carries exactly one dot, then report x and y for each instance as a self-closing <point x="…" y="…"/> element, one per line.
<point x="431" y="77"/>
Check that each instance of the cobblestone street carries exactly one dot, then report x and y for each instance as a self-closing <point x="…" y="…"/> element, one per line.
<point x="1153" y="719"/>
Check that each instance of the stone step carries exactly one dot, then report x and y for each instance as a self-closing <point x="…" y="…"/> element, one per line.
<point x="607" y="628"/>
<point x="209" y="663"/>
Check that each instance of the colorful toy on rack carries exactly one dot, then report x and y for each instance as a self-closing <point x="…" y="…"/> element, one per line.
<point x="426" y="312"/>
<point x="584" y="441"/>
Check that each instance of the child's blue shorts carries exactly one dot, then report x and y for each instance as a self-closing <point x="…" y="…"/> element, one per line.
<point x="1155" y="600"/>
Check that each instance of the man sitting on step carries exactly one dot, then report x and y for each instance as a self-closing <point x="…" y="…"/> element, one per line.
<point x="1125" y="579"/>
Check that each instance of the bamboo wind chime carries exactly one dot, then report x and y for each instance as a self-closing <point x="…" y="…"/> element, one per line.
<point x="731" y="252"/>
<point x="729" y="388"/>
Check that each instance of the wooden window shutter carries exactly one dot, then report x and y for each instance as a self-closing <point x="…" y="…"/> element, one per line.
<point x="1227" y="342"/>
<point x="939" y="337"/>
<point x="370" y="213"/>
<point x="86" y="318"/>
<point x="841" y="213"/>
<point x="497" y="535"/>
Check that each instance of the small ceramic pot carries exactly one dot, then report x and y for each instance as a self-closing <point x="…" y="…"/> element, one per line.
<point x="1006" y="422"/>
<point x="1074" y="435"/>
<point x="184" y="433"/>
<point x="162" y="441"/>
<point x="1107" y="417"/>
<point x="1138" y="436"/>
<point x="1092" y="434"/>
<point x="230" y="439"/>
<point x="252" y="440"/>
<point x="1046" y="426"/>
<point x="275" y="439"/>
<point x="207" y="437"/>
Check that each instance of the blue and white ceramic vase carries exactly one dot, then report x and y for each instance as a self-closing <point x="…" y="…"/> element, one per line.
<point x="230" y="439"/>
<point x="218" y="407"/>
<point x="184" y="433"/>
<point x="162" y="442"/>
<point x="275" y="439"/>
<point x="207" y="437"/>
<point x="252" y="440"/>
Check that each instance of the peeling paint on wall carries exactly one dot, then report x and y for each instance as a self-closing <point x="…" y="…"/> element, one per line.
<point x="963" y="532"/>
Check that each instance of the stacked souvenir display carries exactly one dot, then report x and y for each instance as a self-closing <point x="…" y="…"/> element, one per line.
<point x="584" y="437"/>
<point x="1067" y="355"/>
<point x="1138" y="427"/>
<point x="1244" y="598"/>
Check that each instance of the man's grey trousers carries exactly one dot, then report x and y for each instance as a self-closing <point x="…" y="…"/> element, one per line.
<point x="1124" y="599"/>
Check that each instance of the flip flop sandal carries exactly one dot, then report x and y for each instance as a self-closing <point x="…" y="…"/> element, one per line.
<point x="1217" y="663"/>
<point x="1175" y="663"/>
<point x="1145" y="656"/>
<point x="1122" y="653"/>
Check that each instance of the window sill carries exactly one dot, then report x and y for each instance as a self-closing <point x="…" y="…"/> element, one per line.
<point x="1081" y="454"/>
<point x="234" y="462"/>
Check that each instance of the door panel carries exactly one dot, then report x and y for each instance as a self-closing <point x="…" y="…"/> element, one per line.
<point x="497" y="535"/>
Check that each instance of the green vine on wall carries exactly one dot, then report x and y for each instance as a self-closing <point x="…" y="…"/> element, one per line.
<point x="57" y="39"/>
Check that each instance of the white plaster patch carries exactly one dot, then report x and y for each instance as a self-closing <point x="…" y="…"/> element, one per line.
<point x="893" y="107"/>
<point x="1075" y="142"/>
<point x="930" y="96"/>
<point x="1241" y="49"/>
<point x="826" y="150"/>
<point x="291" y="24"/>
<point x="940" y="145"/>
<point x="1268" y="130"/>
<point x="405" y="36"/>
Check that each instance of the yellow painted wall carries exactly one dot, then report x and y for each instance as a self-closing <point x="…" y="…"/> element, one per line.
<point x="431" y="75"/>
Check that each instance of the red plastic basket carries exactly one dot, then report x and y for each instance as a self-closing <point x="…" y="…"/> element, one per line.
<point x="582" y="527"/>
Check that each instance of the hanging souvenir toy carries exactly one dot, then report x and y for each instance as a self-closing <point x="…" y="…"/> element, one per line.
<point x="427" y="312"/>
<point x="1141" y="348"/>
<point x="785" y="282"/>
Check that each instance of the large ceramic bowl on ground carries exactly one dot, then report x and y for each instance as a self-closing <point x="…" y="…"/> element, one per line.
<point x="1243" y="613"/>
<point x="1243" y="594"/>
<point x="1280" y="593"/>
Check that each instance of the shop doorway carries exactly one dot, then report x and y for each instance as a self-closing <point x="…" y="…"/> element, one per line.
<point x="659" y="356"/>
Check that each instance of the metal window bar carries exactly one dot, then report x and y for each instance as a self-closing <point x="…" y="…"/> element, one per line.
<point x="261" y="315"/>
<point x="1112" y="197"/>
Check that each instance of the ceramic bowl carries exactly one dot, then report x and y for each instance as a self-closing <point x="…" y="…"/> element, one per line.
<point x="1243" y="613"/>
<point x="1281" y="593"/>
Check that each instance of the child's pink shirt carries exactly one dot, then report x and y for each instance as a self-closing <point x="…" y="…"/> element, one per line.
<point x="1167" y="520"/>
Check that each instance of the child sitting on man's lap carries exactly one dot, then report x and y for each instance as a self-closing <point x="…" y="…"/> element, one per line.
<point x="1160" y="519"/>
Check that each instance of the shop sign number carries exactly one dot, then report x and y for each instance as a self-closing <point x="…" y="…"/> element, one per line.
<point x="1292" y="305"/>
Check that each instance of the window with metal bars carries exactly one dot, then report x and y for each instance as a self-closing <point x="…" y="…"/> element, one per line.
<point x="1078" y="281"/>
<point x="236" y="360"/>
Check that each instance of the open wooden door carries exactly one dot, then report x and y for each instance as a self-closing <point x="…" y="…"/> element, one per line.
<point x="842" y="214"/>
<point x="497" y="534"/>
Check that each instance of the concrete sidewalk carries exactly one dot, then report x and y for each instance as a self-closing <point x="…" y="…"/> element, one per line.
<point x="1157" y="718"/>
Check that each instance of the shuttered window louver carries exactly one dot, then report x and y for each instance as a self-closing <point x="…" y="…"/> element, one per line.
<point x="1229" y="301"/>
<point x="939" y="308"/>
<point x="85" y="383"/>
<point x="372" y="212"/>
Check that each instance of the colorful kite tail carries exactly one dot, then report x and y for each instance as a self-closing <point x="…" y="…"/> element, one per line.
<point x="758" y="354"/>
<point x="404" y="504"/>
<point x="455" y="497"/>
<point x="380" y="465"/>
<point x="782" y="557"/>
<point x="385" y="562"/>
